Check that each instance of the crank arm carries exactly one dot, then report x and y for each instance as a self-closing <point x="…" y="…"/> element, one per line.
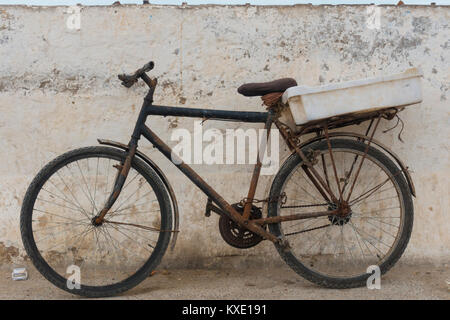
<point x="211" y="207"/>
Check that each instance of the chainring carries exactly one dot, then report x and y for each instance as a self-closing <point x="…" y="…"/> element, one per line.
<point x="235" y="235"/>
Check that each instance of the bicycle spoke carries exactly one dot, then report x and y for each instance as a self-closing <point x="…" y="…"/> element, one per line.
<point x="359" y="244"/>
<point x="63" y="199"/>
<point x="95" y="182"/>
<point x="125" y="201"/>
<point x="131" y="207"/>
<point x="126" y="235"/>
<point x="64" y="232"/>
<point x="306" y="230"/>
<point x="87" y="187"/>
<point x="368" y="193"/>
<point x="57" y="226"/>
<point x="54" y="214"/>
<point x="70" y="190"/>
<point x="381" y="221"/>
<point x="373" y="238"/>
<point x="325" y="233"/>
<point x="362" y="238"/>
<point x="352" y="241"/>
<point x="308" y="181"/>
<point x="134" y="232"/>
<point x="381" y="229"/>
<point x="59" y="205"/>
<point x="89" y="228"/>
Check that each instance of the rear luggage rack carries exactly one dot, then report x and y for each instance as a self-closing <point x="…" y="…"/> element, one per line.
<point x="357" y="99"/>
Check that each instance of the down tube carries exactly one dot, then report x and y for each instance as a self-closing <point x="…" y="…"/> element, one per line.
<point x="210" y="192"/>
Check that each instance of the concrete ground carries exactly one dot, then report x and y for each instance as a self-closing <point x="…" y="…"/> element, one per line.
<point x="404" y="281"/>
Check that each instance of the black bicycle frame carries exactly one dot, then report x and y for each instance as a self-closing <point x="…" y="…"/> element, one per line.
<point x="141" y="129"/>
<point x="223" y="207"/>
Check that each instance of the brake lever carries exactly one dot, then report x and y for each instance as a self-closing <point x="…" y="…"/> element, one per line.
<point x="127" y="80"/>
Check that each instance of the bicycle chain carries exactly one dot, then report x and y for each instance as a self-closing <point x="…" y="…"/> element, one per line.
<point x="283" y="200"/>
<point x="307" y="205"/>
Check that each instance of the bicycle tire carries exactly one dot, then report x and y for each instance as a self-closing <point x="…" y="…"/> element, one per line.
<point x="44" y="268"/>
<point x="337" y="282"/>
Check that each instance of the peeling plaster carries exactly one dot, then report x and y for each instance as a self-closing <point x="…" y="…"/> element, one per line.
<point x="58" y="91"/>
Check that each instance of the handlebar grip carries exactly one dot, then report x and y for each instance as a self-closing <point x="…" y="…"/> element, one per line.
<point x="129" y="80"/>
<point x="149" y="66"/>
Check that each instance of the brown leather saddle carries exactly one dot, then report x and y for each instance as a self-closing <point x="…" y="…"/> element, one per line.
<point x="270" y="92"/>
<point x="263" y="88"/>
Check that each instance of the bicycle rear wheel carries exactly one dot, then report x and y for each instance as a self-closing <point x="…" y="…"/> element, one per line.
<point x="336" y="251"/>
<point x="73" y="253"/>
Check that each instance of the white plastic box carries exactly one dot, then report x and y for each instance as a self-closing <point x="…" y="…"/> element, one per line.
<point x="314" y="103"/>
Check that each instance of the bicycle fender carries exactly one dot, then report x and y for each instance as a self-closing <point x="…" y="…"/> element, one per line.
<point x="163" y="177"/>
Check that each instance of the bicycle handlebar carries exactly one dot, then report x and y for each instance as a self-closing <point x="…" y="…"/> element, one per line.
<point x="129" y="79"/>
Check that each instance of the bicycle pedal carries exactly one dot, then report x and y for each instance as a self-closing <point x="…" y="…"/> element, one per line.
<point x="208" y="208"/>
<point x="284" y="244"/>
<point x="118" y="167"/>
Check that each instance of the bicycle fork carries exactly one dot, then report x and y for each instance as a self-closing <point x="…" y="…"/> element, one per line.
<point x="124" y="167"/>
<point x="121" y="176"/>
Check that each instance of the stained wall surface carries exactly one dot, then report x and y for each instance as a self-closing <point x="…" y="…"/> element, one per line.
<point x="59" y="91"/>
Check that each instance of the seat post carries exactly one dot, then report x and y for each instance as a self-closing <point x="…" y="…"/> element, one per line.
<point x="257" y="169"/>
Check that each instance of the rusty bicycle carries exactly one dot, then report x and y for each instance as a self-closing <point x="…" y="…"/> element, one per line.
<point x="341" y="202"/>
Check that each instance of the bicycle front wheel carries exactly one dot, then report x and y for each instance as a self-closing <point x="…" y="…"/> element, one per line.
<point x="336" y="251"/>
<point x="72" y="252"/>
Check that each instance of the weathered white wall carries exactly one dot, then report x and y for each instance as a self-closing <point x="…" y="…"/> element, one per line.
<point x="58" y="91"/>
